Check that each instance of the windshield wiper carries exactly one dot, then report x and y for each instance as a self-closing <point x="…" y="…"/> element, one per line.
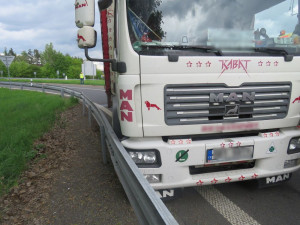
<point x="276" y="51"/>
<point x="207" y="49"/>
<point x="204" y="48"/>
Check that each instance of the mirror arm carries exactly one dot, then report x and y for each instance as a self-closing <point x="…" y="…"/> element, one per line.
<point x="116" y="66"/>
<point x="86" y="51"/>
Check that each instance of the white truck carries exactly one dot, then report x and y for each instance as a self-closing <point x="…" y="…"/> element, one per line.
<point x="203" y="92"/>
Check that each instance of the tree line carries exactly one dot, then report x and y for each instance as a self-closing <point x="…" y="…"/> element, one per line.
<point x="33" y="63"/>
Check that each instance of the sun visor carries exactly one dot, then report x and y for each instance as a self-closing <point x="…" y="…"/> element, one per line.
<point x="86" y="37"/>
<point x="84" y="13"/>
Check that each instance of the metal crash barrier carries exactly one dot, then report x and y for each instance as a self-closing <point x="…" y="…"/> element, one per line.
<point x="148" y="207"/>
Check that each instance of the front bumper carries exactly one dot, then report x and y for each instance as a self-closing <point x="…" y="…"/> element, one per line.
<point x="269" y="157"/>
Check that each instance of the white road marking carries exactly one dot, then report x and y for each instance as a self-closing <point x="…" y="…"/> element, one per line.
<point x="101" y="88"/>
<point x="91" y="89"/>
<point x="234" y="214"/>
<point x="104" y="109"/>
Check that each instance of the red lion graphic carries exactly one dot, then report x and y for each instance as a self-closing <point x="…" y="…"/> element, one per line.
<point x="149" y="105"/>
<point x="297" y="99"/>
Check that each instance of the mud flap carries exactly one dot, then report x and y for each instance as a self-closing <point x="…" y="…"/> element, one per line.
<point x="169" y="194"/>
<point x="274" y="180"/>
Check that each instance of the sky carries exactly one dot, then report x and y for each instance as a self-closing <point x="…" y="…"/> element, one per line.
<point x="31" y="24"/>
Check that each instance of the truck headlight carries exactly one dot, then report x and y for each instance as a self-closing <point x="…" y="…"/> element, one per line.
<point x="145" y="158"/>
<point x="153" y="178"/>
<point x="294" y="145"/>
<point x="291" y="163"/>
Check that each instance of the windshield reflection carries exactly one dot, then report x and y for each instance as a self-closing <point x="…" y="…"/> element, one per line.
<point x="222" y="24"/>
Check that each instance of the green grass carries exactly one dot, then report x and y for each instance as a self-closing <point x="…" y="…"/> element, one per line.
<point x="86" y="82"/>
<point x="24" y="117"/>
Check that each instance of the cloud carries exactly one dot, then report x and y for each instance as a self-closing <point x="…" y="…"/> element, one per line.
<point x="197" y="19"/>
<point x="31" y="24"/>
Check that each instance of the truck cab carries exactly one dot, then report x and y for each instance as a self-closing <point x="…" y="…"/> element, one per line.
<point x="208" y="91"/>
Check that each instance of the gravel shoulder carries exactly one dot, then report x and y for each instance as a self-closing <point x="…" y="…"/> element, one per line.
<point x="67" y="182"/>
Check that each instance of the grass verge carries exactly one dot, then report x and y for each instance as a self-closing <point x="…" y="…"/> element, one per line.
<point x="24" y="117"/>
<point x="55" y="81"/>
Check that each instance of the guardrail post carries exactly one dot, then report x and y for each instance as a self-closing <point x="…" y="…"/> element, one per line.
<point x="21" y="86"/>
<point x="10" y="85"/>
<point x="90" y="116"/>
<point x="43" y="88"/>
<point x="83" y="106"/>
<point x="103" y="144"/>
<point x="62" y="92"/>
<point x="72" y="94"/>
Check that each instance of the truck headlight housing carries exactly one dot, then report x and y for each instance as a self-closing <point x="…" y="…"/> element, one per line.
<point x="291" y="163"/>
<point x="153" y="178"/>
<point x="294" y="146"/>
<point x="145" y="158"/>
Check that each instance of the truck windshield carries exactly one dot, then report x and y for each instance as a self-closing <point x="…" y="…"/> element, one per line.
<point x="222" y="25"/>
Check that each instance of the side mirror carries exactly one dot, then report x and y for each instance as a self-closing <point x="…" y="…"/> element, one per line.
<point x="84" y="13"/>
<point x="104" y="4"/>
<point x="86" y="37"/>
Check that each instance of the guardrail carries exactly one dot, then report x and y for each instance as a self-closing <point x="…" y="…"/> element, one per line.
<point x="148" y="207"/>
<point x="43" y="78"/>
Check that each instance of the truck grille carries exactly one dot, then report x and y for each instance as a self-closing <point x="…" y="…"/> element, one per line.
<point x="218" y="103"/>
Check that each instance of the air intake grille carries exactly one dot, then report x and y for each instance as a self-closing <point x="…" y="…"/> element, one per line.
<point x="218" y="103"/>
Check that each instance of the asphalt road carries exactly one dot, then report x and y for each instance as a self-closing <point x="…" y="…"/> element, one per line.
<point x="234" y="203"/>
<point x="94" y="93"/>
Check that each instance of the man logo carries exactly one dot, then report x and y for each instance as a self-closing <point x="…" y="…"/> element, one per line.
<point x="279" y="178"/>
<point x="232" y="97"/>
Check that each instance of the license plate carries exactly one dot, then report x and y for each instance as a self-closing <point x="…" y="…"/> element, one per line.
<point x="229" y="154"/>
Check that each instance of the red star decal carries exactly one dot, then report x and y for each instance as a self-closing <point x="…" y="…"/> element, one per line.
<point x="260" y="63"/>
<point x="271" y="134"/>
<point x="276" y="63"/>
<point x="277" y="133"/>
<point x="200" y="182"/>
<point x="238" y="144"/>
<point x="228" y="179"/>
<point x="214" y="181"/>
<point x="254" y="176"/>
<point x="268" y="63"/>
<point x="181" y="142"/>
<point x="189" y="64"/>
<point x="222" y="145"/>
<point x="199" y="64"/>
<point x="230" y="144"/>
<point x="242" y="177"/>
<point x="208" y="64"/>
